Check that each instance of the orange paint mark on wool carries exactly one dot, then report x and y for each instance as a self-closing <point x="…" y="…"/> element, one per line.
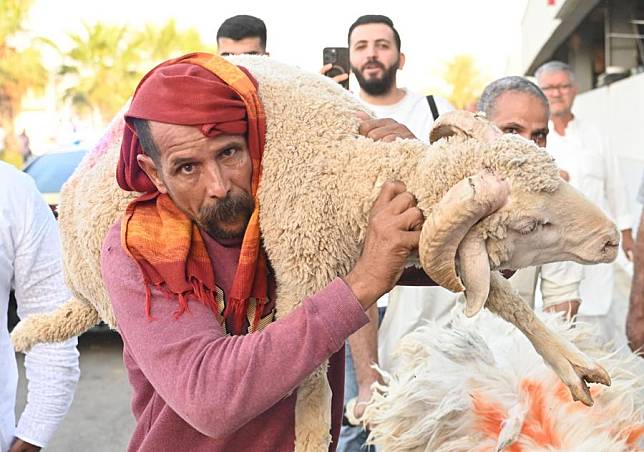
<point x="489" y="417"/>
<point x="633" y="434"/>
<point x="537" y="424"/>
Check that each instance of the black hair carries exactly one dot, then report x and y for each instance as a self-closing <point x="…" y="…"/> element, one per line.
<point x="243" y="26"/>
<point x="142" y="128"/>
<point x="374" y="19"/>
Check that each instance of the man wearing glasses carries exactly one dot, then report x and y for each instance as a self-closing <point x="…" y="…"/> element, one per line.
<point x="580" y="150"/>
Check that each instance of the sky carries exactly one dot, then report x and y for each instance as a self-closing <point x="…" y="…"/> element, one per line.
<point x="432" y="31"/>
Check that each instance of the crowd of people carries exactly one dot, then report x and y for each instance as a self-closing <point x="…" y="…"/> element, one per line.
<point x="197" y="167"/>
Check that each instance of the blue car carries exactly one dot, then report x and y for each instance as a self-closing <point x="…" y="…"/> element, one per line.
<point x="51" y="171"/>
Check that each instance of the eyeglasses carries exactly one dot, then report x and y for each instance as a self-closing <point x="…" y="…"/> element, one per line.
<point x="553" y="88"/>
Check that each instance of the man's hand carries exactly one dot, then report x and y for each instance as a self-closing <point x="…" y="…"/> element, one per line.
<point x="627" y="243"/>
<point x="23" y="446"/>
<point x="364" y="396"/>
<point x="338" y="78"/>
<point x="385" y="129"/>
<point x="392" y="234"/>
<point x="570" y="308"/>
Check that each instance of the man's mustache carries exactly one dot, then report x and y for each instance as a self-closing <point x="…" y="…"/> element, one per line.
<point x="230" y="207"/>
<point x="372" y="63"/>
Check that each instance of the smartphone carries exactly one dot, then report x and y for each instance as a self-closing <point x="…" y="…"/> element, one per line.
<point x="339" y="58"/>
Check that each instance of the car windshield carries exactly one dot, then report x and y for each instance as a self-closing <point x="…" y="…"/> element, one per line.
<point x="51" y="171"/>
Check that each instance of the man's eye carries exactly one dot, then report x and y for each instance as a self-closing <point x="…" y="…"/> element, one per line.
<point x="228" y="152"/>
<point x="539" y="139"/>
<point x="510" y="130"/>
<point x="187" y="168"/>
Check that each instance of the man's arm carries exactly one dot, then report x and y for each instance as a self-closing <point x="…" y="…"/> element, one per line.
<point x="635" y="318"/>
<point x="364" y="353"/>
<point x="199" y="371"/>
<point x="52" y="369"/>
<point x="560" y="287"/>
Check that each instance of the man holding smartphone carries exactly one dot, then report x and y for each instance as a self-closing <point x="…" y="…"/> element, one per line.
<point x="375" y="58"/>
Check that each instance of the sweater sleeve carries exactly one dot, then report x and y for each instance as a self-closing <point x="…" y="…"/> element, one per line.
<point x="218" y="383"/>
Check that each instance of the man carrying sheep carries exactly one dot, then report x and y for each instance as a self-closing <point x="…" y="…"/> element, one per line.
<point x="188" y="278"/>
<point x="516" y="105"/>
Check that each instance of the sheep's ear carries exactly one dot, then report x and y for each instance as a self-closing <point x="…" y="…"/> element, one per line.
<point x="464" y="124"/>
<point x="474" y="270"/>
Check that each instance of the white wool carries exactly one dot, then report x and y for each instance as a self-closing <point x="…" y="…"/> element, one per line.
<point x="426" y="404"/>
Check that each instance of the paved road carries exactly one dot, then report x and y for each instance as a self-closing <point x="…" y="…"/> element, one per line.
<point x="99" y="419"/>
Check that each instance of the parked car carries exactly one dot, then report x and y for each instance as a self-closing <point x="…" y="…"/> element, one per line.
<point x="50" y="171"/>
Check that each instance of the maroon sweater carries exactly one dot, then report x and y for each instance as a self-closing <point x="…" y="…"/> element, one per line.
<point x="197" y="389"/>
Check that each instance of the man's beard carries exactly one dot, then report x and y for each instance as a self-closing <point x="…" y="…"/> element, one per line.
<point x="377" y="86"/>
<point x="231" y="209"/>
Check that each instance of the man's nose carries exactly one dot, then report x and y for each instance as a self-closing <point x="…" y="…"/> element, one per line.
<point x="371" y="52"/>
<point x="217" y="183"/>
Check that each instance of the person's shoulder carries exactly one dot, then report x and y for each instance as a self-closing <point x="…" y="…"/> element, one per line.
<point x="10" y="176"/>
<point x="442" y="104"/>
<point x="112" y="241"/>
<point x="116" y="263"/>
<point x="17" y="187"/>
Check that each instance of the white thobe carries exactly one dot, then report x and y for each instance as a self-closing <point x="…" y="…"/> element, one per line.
<point x="594" y="171"/>
<point x="30" y="262"/>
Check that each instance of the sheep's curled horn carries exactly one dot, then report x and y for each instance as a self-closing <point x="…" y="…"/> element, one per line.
<point x="446" y="231"/>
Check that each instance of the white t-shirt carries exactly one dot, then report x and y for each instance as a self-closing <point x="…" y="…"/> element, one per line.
<point x="30" y="263"/>
<point x="413" y="111"/>
<point x="594" y="171"/>
<point x="410" y="307"/>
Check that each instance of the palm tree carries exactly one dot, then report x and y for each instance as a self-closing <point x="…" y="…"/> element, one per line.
<point x="21" y="70"/>
<point x="465" y="80"/>
<point x="107" y="61"/>
<point x="100" y="70"/>
<point x="160" y="43"/>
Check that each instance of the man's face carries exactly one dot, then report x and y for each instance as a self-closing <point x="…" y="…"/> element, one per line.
<point x="523" y="114"/>
<point x="559" y="90"/>
<point x="209" y="179"/>
<point x="375" y="58"/>
<point x="245" y="46"/>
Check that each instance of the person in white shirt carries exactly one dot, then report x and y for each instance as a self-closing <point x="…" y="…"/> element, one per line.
<point x="579" y="149"/>
<point x="30" y="263"/>
<point x="375" y="58"/>
<point x="516" y="105"/>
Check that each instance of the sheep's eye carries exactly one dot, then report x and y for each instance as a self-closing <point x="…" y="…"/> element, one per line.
<point x="528" y="228"/>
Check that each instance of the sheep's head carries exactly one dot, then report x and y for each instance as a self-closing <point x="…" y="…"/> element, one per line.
<point x="478" y="226"/>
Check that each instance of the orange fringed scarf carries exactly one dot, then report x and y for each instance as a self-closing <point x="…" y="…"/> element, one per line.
<point x="207" y="92"/>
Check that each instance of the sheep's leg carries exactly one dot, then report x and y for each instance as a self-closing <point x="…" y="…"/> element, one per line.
<point x="571" y="365"/>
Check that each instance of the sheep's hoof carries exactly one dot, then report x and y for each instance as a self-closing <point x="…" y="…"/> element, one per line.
<point x="592" y="373"/>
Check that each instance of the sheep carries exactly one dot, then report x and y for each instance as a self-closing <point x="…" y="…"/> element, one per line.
<point x="320" y="179"/>
<point x="478" y="384"/>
